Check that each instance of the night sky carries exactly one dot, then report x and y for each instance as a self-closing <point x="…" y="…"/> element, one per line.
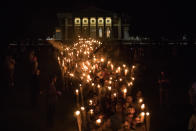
<point x="154" y="18"/>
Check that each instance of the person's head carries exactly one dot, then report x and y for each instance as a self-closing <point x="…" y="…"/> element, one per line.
<point x="194" y="85"/>
<point x="96" y="79"/>
<point x="53" y="79"/>
<point x="129" y="99"/>
<point x="139" y="93"/>
<point x="126" y="125"/>
<point x="123" y="86"/>
<point x="113" y="96"/>
<point x="95" y="99"/>
<point x="97" y="108"/>
<point x="37" y="72"/>
<point x="131" y="110"/>
<point x="118" y="108"/>
<point x="107" y="123"/>
<point x="35" y="58"/>
<point x="162" y="73"/>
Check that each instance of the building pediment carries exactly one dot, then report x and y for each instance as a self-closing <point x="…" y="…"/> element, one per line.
<point x="94" y="10"/>
<point x="88" y="11"/>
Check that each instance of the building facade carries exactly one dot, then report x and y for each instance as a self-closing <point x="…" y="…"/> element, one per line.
<point x="92" y="22"/>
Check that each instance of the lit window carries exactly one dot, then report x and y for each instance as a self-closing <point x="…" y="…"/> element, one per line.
<point x="108" y="21"/>
<point x="100" y="21"/>
<point x="77" y="21"/>
<point x="58" y="30"/>
<point x="93" y="21"/>
<point x="85" y="21"/>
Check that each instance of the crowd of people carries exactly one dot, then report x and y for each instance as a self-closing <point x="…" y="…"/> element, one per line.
<point x="103" y="87"/>
<point x="115" y="112"/>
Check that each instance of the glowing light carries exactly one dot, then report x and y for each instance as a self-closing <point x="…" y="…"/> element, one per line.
<point x="77" y="91"/>
<point x="98" y="121"/>
<point x="77" y="113"/>
<point x="126" y="71"/>
<point x="63" y="64"/>
<point x="110" y="82"/>
<point x="112" y="66"/>
<point x="142" y="106"/>
<point x="143" y="113"/>
<point x="82" y="108"/>
<point x="98" y="86"/>
<point x="90" y="102"/>
<point x="109" y="88"/>
<point x="140" y="100"/>
<point x="71" y="74"/>
<point x="133" y="67"/>
<point x="91" y="111"/>
<point x="130" y="83"/>
<point x="125" y="90"/>
<point x="102" y="60"/>
<point x="88" y="77"/>
<point x="147" y="113"/>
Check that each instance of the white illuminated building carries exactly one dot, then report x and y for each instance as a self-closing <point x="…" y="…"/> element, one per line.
<point x="92" y="22"/>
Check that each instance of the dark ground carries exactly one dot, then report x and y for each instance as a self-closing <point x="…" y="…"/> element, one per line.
<point x="179" y="62"/>
<point x="181" y="72"/>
